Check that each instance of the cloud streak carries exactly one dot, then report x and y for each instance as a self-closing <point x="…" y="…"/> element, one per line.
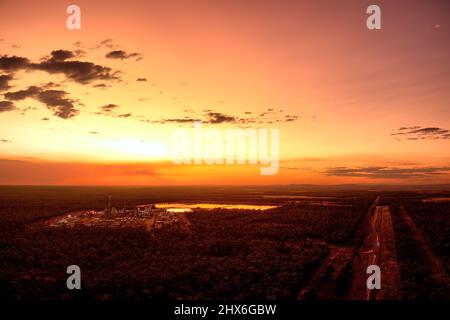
<point x="388" y="172"/>
<point x="422" y="133"/>
<point x="213" y="117"/>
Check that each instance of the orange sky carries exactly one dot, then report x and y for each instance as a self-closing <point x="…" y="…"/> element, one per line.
<point x="338" y="92"/>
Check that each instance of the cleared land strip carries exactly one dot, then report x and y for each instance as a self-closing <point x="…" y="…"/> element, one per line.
<point x="378" y="249"/>
<point x="390" y="277"/>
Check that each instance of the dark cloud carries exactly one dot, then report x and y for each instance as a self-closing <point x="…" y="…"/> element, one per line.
<point x="109" y="107"/>
<point x="217" y="117"/>
<point x="7" y="106"/>
<point x="61" y="55"/>
<point x="141" y="79"/>
<point x="94" y="132"/>
<point x="388" y="173"/>
<point x="124" y="115"/>
<point x="23" y="94"/>
<point x="13" y="63"/>
<point x="121" y="54"/>
<point x="55" y="100"/>
<point x="45" y="119"/>
<point x="78" y="71"/>
<point x="4" y="81"/>
<point x="5" y="140"/>
<point x="419" y="133"/>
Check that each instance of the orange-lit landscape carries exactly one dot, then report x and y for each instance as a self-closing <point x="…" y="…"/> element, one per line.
<point x="349" y="166"/>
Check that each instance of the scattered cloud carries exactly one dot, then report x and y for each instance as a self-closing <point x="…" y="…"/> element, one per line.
<point x="210" y="116"/>
<point x="121" y="54"/>
<point x="107" y="43"/>
<point x="109" y="107"/>
<point x="290" y="118"/>
<point x="422" y="133"/>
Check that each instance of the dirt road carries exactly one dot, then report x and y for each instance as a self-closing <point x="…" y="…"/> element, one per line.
<point x="378" y="249"/>
<point x="332" y="278"/>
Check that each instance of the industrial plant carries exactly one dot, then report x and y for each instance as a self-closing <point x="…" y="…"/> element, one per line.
<point x="147" y="216"/>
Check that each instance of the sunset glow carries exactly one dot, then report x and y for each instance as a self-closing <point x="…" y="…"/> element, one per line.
<point x="352" y="105"/>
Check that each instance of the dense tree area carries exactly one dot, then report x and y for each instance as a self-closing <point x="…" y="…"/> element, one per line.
<point x="130" y="263"/>
<point x="416" y="277"/>
<point x="293" y="222"/>
<point x="227" y="254"/>
<point x="433" y="220"/>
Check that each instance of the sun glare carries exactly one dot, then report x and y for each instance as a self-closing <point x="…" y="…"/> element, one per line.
<point x="135" y="148"/>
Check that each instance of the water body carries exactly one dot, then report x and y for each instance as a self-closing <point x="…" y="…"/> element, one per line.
<point x="189" y="207"/>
